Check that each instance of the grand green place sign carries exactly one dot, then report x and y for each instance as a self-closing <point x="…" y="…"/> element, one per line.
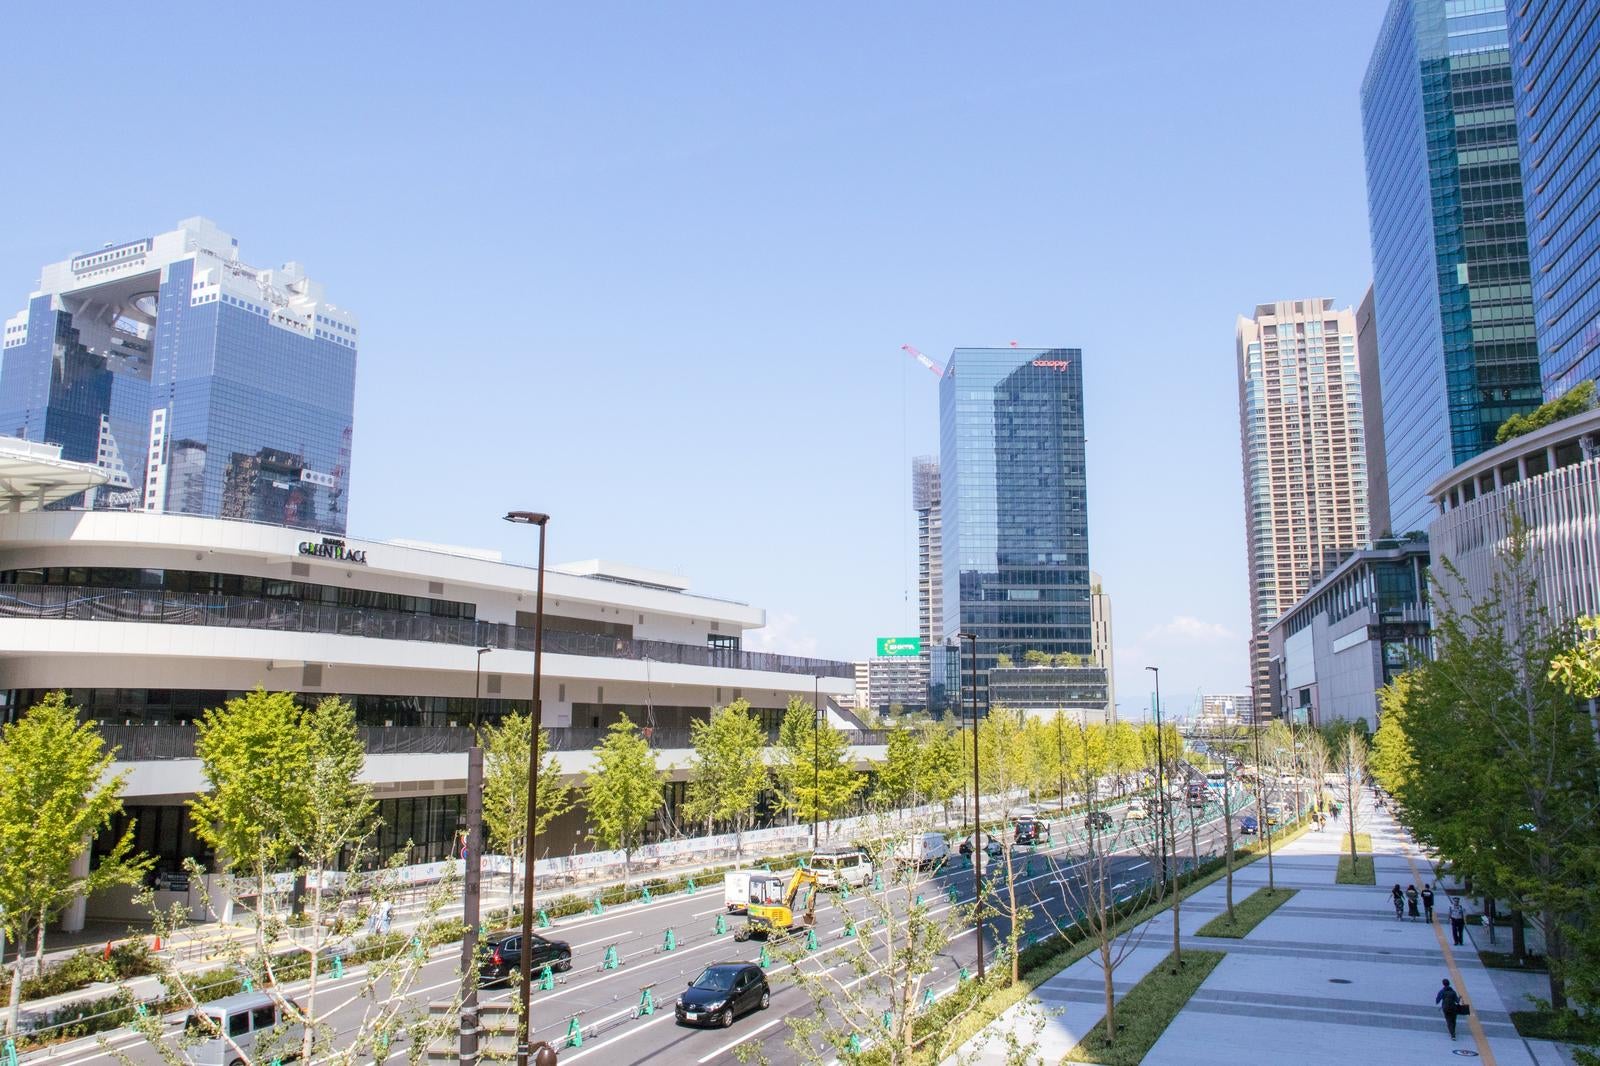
<point x="899" y="646"/>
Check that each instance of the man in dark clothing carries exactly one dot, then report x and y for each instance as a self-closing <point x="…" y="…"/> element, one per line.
<point x="1427" y="903"/>
<point x="1449" y="1002"/>
<point x="1411" y="901"/>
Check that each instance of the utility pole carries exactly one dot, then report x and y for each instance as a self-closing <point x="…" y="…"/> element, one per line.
<point x="472" y="889"/>
<point x="1161" y="790"/>
<point x="977" y="818"/>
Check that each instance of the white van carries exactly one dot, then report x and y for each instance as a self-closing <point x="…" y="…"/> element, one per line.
<point x="251" y="1022"/>
<point x="736" y="889"/>
<point x="922" y="849"/>
<point x="844" y="865"/>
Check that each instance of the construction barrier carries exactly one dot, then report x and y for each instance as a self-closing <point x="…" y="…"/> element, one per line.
<point x="574" y="1033"/>
<point x="547" y="979"/>
<point x="722" y="924"/>
<point x="610" y="961"/>
<point x="670" y="941"/>
<point x="647" y="1002"/>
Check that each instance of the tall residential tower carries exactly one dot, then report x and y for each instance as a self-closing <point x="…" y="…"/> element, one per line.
<point x="204" y="386"/>
<point x="1456" y="345"/>
<point x="1555" y="64"/>
<point x="930" y="559"/>
<point x="1305" y="477"/>
<point x="1014" y="504"/>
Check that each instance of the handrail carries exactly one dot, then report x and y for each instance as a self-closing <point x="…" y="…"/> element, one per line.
<point x="79" y="602"/>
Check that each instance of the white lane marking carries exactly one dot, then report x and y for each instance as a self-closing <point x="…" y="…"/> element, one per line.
<point x="603" y="940"/>
<point x="713" y="910"/>
<point x="730" y="1045"/>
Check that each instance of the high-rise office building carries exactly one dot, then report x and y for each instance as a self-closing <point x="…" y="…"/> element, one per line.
<point x="1014" y="504"/>
<point x="1457" y="354"/>
<point x="1555" y="63"/>
<point x="1100" y="636"/>
<point x="1372" y="418"/>
<point x="1302" y="442"/>
<point x="930" y="558"/>
<point x="205" y="386"/>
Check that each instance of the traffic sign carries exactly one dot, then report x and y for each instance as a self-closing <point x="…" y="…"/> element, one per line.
<point x="899" y="646"/>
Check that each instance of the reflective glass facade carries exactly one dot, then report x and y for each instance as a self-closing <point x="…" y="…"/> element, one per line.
<point x="1456" y="346"/>
<point x="1555" y="54"/>
<point x="1013" y="502"/>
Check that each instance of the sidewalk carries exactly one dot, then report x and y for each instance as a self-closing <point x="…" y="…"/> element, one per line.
<point x="1330" y="977"/>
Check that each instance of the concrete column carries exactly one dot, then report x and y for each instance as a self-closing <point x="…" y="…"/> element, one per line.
<point x="72" y="917"/>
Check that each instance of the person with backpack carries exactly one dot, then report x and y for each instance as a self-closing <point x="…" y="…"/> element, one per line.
<point x="1427" y="903"/>
<point x="1411" y="902"/>
<point x="1458" y="920"/>
<point x="1398" y="898"/>
<point x="1450" y="1003"/>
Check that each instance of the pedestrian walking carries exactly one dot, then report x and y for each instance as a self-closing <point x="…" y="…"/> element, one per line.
<point x="1398" y="898"/>
<point x="1450" y="1003"/>
<point x="1411" y="902"/>
<point x="386" y="916"/>
<point x="1458" y="920"/>
<point x="1427" y="903"/>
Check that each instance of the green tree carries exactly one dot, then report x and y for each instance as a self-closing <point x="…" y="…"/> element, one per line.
<point x="1005" y="767"/>
<point x="505" y="789"/>
<point x="900" y="772"/>
<point x="727" y="774"/>
<point x="1575" y="401"/>
<point x="816" y="776"/>
<point x="1035" y="657"/>
<point x="56" y="795"/>
<point x="623" y="792"/>
<point x="1391" y="762"/>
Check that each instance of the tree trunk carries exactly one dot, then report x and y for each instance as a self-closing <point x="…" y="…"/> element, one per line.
<point x="1519" y="939"/>
<point x="309" y="1005"/>
<point x="14" y="1009"/>
<point x="1107" y="971"/>
<point x="1227" y="835"/>
<point x="1554" y="954"/>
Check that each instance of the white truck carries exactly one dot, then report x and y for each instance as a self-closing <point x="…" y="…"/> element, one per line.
<point x="922" y="849"/>
<point x="736" y="889"/>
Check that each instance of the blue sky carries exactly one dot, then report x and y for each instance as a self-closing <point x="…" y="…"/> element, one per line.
<point x="649" y="267"/>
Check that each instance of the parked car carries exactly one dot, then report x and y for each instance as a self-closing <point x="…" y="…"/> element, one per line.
<point x="251" y="1020"/>
<point x="991" y="847"/>
<point x="922" y="849"/>
<point x="501" y="955"/>
<point x="1029" y="830"/>
<point x="1248" y="826"/>
<point x="736" y="889"/>
<point x="1099" y="820"/>
<point x="722" y="992"/>
<point x="842" y="865"/>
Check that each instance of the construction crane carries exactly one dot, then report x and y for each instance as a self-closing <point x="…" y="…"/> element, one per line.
<point x="924" y="360"/>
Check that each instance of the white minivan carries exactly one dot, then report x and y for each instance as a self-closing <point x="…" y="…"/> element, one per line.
<point x="255" y="1028"/>
<point x="843" y="865"/>
<point x="922" y="849"/>
<point x="736" y="889"/>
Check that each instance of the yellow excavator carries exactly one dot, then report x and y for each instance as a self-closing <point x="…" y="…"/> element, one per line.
<point x="773" y="912"/>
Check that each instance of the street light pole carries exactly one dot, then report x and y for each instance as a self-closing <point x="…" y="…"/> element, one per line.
<point x="540" y="1054"/>
<point x="816" y="772"/>
<point x="1161" y="788"/>
<point x="472" y="889"/>
<point x="977" y="817"/>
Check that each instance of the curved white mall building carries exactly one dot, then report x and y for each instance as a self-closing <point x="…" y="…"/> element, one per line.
<point x="148" y="620"/>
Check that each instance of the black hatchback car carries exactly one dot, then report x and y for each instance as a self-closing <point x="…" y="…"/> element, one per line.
<point x="500" y="955"/>
<point x="1099" y="820"/>
<point x="1031" y="832"/>
<point x="722" y="992"/>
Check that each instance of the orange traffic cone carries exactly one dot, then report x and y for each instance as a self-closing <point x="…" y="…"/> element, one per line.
<point x="157" y="946"/>
<point x="108" y="950"/>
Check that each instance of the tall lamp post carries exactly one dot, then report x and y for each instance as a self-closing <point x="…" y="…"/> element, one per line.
<point x="540" y="1054"/>
<point x="472" y="858"/>
<point x="1161" y="788"/>
<point x="816" y="765"/>
<point x="977" y="819"/>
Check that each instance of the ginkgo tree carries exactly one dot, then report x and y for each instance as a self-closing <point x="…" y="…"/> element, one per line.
<point x="505" y="789"/>
<point x="623" y="792"/>
<point x="728" y="773"/>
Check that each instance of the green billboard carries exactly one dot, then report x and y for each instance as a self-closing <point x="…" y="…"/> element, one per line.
<point x="899" y="646"/>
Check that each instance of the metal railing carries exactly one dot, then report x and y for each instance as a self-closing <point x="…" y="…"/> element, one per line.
<point x="82" y="603"/>
<point x="134" y="743"/>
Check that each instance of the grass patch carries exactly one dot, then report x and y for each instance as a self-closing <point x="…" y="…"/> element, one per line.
<point x="1248" y="913"/>
<point x="1503" y="960"/>
<point x="1146" y="1011"/>
<point x="1360" y="872"/>
<point x="1556" y="1025"/>
<point x="961" y="1015"/>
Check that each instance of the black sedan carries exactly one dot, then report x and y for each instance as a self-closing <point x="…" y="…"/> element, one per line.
<point x="991" y="847"/>
<point x="1099" y="820"/>
<point x="722" y="992"/>
<point x="500" y="955"/>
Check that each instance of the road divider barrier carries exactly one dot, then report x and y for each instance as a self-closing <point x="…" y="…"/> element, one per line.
<point x="609" y="960"/>
<point x="670" y="941"/>
<point x="647" y="1002"/>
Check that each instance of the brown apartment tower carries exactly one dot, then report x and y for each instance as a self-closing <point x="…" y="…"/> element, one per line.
<point x="1305" y="469"/>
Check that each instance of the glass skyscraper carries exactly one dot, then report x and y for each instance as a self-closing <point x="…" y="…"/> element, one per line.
<point x="204" y="385"/>
<point x="1456" y="348"/>
<point x="1555" y="56"/>
<point x="1014" y="505"/>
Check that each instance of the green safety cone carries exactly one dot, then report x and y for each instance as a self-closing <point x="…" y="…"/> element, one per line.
<point x="609" y="962"/>
<point x="598" y="908"/>
<point x="547" y="979"/>
<point x="919" y="899"/>
<point x="849" y="927"/>
<point x="689" y="888"/>
<point x="811" y="940"/>
<point x="877" y="882"/>
<point x="644" y="895"/>
<point x="338" y="967"/>
<point x="574" y="1033"/>
<point x="647" y="1003"/>
<point x="11" y="1052"/>
<point x="140" y="1009"/>
<point x="927" y="996"/>
<point x="544" y="918"/>
<point x="888" y="1020"/>
<point x="766" y="959"/>
<point x="767" y="866"/>
<point x="249" y="985"/>
<point x="855" y="1044"/>
<point x="955" y="897"/>
<point x="417" y="948"/>
<point x="722" y="924"/>
<point x="844" y="890"/>
<point x="670" y="941"/>
<point x="966" y="974"/>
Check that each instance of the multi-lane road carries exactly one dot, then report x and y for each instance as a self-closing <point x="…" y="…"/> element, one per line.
<point x="606" y="1002"/>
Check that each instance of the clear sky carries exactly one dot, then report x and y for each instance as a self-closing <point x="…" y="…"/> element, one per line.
<point x="648" y="267"/>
